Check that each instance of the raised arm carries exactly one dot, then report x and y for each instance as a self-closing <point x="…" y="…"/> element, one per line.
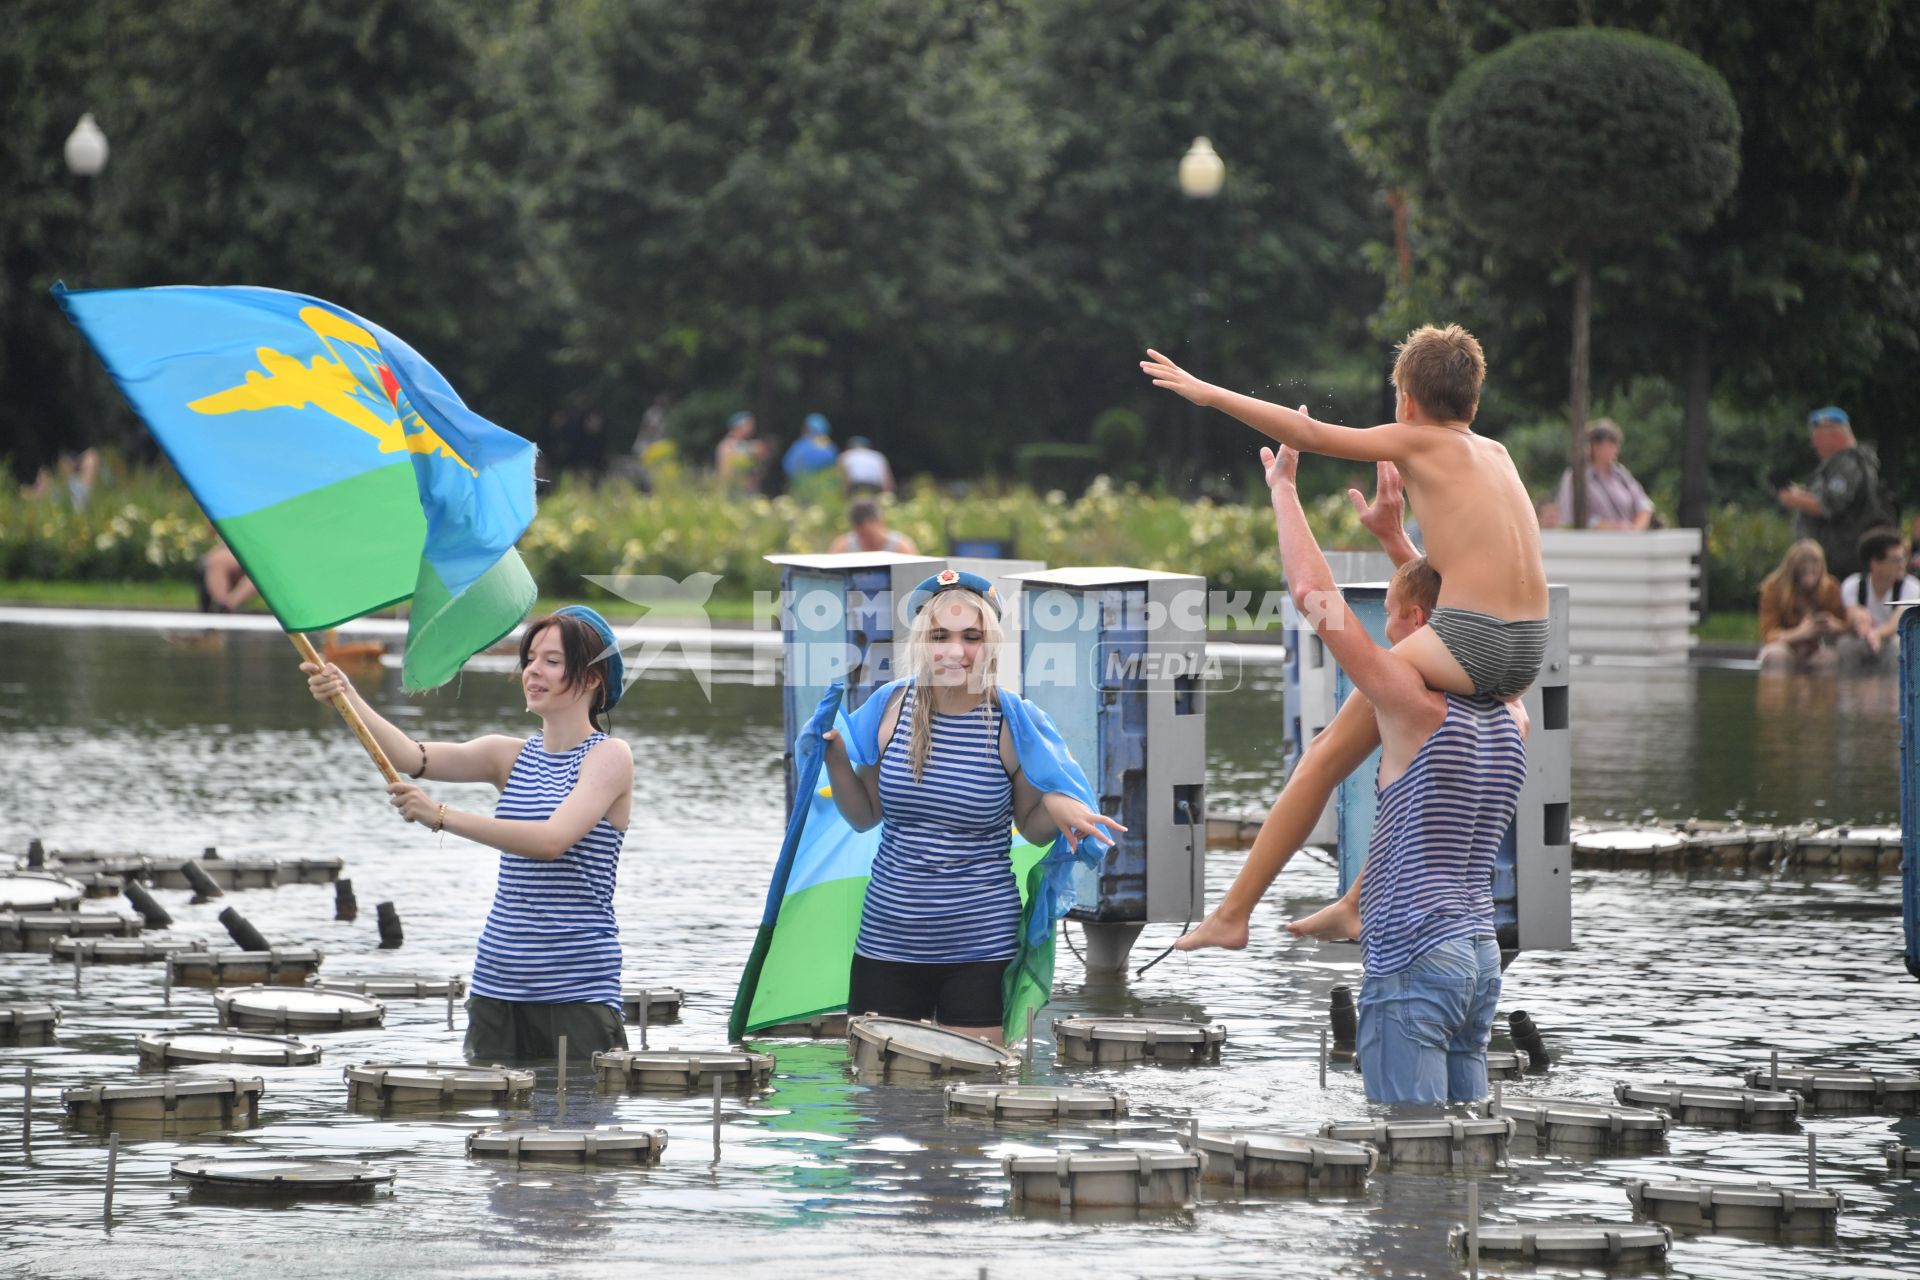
<point x="1394" y="442"/>
<point x="1385" y="516"/>
<point x="1391" y="683"/>
<point x="485" y="759"/>
<point x="605" y="775"/>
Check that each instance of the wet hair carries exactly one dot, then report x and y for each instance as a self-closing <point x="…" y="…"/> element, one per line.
<point x="582" y="648"/>
<point x="1876" y="542"/>
<point x="1419" y="584"/>
<point x="986" y="672"/>
<point x="861" y="512"/>
<point x="1443" y="370"/>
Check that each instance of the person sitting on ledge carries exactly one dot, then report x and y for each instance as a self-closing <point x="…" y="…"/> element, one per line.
<point x="1801" y="613"/>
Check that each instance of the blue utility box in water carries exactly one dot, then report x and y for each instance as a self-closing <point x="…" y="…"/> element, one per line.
<point x="839" y="620"/>
<point x="1117" y="657"/>
<point x="1910" y="784"/>
<point x="842" y="617"/>
<point x="1533" y="872"/>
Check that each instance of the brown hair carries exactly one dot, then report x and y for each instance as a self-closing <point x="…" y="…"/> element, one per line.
<point x="1781" y="589"/>
<point x="1442" y="369"/>
<point x="583" y="649"/>
<point x="1419" y="583"/>
<point x="1876" y="542"/>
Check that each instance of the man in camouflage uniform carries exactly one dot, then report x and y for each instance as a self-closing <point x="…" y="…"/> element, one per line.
<point x="1842" y="499"/>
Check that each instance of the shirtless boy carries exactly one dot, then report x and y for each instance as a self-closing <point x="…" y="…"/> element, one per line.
<point x="1488" y="634"/>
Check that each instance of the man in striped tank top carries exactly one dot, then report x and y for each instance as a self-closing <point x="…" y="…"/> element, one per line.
<point x="1451" y="768"/>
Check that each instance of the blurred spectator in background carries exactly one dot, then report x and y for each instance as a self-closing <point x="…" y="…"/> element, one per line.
<point x="651" y="450"/>
<point x="739" y="457"/>
<point x="809" y="462"/>
<point x="224" y="585"/>
<point x="868" y="532"/>
<point x="1801" y="612"/>
<point x="78" y="473"/>
<point x="1615" y="499"/>
<point x="1841" y="501"/>
<point x="1870" y="597"/>
<point x="864" y="469"/>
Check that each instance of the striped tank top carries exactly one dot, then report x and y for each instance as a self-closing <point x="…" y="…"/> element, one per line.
<point x="942" y="889"/>
<point x="551" y="936"/>
<point x="1429" y="873"/>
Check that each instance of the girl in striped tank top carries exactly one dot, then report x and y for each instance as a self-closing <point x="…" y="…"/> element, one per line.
<point x="548" y="961"/>
<point x="942" y="914"/>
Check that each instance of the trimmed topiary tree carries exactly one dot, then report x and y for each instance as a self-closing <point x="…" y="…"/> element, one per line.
<point x="1565" y="142"/>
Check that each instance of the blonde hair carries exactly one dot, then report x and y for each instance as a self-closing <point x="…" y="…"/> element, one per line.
<point x="1443" y="370"/>
<point x="1782" y="587"/>
<point x="985" y="678"/>
<point x="1419" y="583"/>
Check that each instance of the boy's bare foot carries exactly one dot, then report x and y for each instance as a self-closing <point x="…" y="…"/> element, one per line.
<point x="1215" y="932"/>
<point x="1335" y="922"/>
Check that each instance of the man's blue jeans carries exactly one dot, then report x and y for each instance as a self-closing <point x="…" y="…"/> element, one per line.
<point x="1423" y="1031"/>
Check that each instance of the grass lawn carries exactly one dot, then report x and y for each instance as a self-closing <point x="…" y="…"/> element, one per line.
<point x="1730" y="628"/>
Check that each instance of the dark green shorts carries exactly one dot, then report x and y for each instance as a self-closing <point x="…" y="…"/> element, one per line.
<point x="513" y="1031"/>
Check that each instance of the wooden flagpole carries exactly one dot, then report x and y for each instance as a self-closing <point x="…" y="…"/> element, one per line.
<point x="347" y="713"/>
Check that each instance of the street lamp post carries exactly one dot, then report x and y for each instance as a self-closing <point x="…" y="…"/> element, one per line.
<point x="86" y="155"/>
<point x="1202" y="172"/>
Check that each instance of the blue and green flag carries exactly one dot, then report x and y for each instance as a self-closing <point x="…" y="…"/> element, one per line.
<point x="802" y="953"/>
<point x="340" y="467"/>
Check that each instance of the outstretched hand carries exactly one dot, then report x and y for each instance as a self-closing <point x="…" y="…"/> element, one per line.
<point x="1076" y="821"/>
<point x="1386" y="514"/>
<point x="1282" y="467"/>
<point x="1165" y="373"/>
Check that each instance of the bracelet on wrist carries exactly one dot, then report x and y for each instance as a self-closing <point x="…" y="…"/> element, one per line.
<point x="440" y="820"/>
<point x="423" y="761"/>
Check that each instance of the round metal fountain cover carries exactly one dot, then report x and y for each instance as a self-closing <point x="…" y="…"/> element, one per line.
<point x="309" y="870"/>
<point x="1453" y="1142"/>
<point x="284" y="966"/>
<point x="615" y="1145"/>
<point x="1534" y="1114"/>
<point x="163" y="1048"/>
<point x="1035" y="1102"/>
<point x="682" y="1069"/>
<point x="27" y="1022"/>
<point x="387" y="1083"/>
<point x="1505" y="1066"/>
<point x="1132" y="1039"/>
<point x="1284" y="1160"/>
<point x="1597" y="1243"/>
<point x="122" y="950"/>
<point x="822" y="1026"/>
<point x="37" y="891"/>
<point x="890" y="1044"/>
<point x="1643" y="841"/>
<point x="1712" y="1104"/>
<point x="1850" y="837"/>
<point x="662" y="1003"/>
<point x="1133" y="1179"/>
<point x="234" y="1101"/>
<point x="398" y="986"/>
<point x="1844" y="1090"/>
<point x="76" y="924"/>
<point x="310" y="1010"/>
<point x="1737" y="1206"/>
<point x="282" y="1177"/>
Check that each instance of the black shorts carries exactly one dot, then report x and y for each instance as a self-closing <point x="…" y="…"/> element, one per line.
<point x="517" y="1031"/>
<point x="966" y="994"/>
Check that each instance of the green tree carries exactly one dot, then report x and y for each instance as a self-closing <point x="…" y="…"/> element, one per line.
<point x="1566" y="142"/>
<point x="1807" y="288"/>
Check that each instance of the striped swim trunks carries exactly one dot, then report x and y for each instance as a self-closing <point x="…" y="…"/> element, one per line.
<point x="1502" y="658"/>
